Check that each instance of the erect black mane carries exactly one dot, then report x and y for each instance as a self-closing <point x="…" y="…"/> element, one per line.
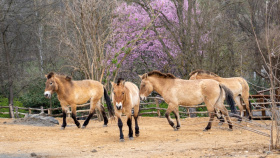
<point x="119" y="81"/>
<point x="161" y="75"/>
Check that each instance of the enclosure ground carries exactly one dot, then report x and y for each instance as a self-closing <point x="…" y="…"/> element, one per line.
<point x="157" y="139"/>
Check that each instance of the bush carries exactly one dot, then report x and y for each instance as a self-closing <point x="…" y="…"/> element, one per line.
<point x="34" y="96"/>
<point x="5" y="102"/>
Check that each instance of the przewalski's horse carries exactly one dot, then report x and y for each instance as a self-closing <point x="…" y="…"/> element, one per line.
<point x="71" y="93"/>
<point x="177" y="92"/>
<point x="237" y="85"/>
<point x="125" y="97"/>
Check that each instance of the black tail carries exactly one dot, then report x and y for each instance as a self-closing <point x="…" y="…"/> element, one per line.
<point x="229" y="98"/>
<point x="109" y="104"/>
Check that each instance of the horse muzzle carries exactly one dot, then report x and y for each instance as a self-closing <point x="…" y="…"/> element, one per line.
<point x="119" y="106"/>
<point x="143" y="98"/>
<point x="48" y="94"/>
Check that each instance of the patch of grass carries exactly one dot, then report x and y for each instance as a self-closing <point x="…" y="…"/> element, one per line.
<point x="5" y="102"/>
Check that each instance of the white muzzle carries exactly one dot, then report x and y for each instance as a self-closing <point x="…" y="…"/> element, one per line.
<point x="119" y="105"/>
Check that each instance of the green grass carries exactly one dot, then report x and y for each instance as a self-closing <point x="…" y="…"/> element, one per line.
<point x="5" y="102"/>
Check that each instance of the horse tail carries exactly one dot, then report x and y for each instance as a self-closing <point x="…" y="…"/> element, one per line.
<point x="251" y="107"/>
<point x="109" y="104"/>
<point x="229" y="98"/>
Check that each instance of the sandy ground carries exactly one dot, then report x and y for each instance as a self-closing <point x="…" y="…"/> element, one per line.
<point x="157" y="139"/>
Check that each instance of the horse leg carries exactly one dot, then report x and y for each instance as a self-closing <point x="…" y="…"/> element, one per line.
<point x="129" y="124"/>
<point x="221" y="118"/>
<point x="120" y="124"/>
<point x="93" y="103"/>
<point x="238" y="103"/>
<point x="64" y="112"/>
<point x="212" y="115"/>
<point x="177" y="116"/>
<point x="225" y="112"/>
<point x="136" y="112"/>
<point x="102" y="110"/>
<point x="248" y="108"/>
<point x="73" y="108"/>
<point x="167" y="115"/>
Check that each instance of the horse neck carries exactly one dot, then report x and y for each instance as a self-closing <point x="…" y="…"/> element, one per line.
<point x="61" y="87"/>
<point x="158" y="84"/>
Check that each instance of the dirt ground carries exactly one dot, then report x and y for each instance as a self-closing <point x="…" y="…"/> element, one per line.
<point x="157" y="139"/>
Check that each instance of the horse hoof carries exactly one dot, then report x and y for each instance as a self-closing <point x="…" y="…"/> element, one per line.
<point x="83" y="127"/>
<point x="131" y="138"/>
<point x="62" y="128"/>
<point x="230" y="129"/>
<point x="205" y="130"/>
<point x="137" y="135"/>
<point x="220" y="123"/>
<point x="79" y="126"/>
<point x="105" y="125"/>
<point x="121" y="140"/>
<point x="175" y="129"/>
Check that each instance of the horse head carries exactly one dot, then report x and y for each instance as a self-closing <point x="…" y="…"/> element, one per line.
<point x="52" y="85"/>
<point x="146" y="87"/>
<point x="119" y="93"/>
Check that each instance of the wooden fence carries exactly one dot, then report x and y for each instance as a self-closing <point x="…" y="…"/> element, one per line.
<point x="260" y="102"/>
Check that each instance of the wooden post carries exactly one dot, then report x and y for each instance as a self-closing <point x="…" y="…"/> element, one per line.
<point x="157" y="105"/>
<point x="49" y="111"/>
<point x="188" y="109"/>
<point x="29" y="110"/>
<point x="42" y="109"/>
<point x="11" y="111"/>
<point x="261" y="100"/>
<point x="16" y="112"/>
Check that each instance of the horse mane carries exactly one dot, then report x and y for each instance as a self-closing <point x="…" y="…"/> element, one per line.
<point x="119" y="81"/>
<point x="200" y="72"/>
<point x="51" y="74"/>
<point x="161" y="75"/>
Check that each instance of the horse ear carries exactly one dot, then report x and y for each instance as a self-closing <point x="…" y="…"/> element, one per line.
<point x="50" y="75"/>
<point x="194" y="76"/>
<point x="144" y="76"/>
<point x="68" y="78"/>
<point x="113" y="84"/>
<point x="140" y="76"/>
<point x="122" y="82"/>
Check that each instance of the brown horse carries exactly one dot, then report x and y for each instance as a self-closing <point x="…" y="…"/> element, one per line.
<point x="126" y="97"/>
<point x="237" y="85"/>
<point x="71" y="93"/>
<point x="177" y="92"/>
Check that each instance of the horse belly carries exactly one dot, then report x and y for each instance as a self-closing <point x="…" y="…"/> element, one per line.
<point x="190" y="98"/>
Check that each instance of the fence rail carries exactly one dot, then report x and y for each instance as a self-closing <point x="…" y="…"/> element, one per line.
<point x="261" y="105"/>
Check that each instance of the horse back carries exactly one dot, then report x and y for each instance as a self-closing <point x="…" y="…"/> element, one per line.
<point x="84" y="90"/>
<point x="190" y="92"/>
<point x="133" y="93"/>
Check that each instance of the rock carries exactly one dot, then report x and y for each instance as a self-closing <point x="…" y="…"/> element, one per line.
<point x="33" y="154"/>
<point x="37" y="120"/>
<point x="94" y="150"/>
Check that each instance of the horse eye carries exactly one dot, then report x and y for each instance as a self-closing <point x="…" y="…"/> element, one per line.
<point x="123" y="93"/>
<point x="51" y="83"/>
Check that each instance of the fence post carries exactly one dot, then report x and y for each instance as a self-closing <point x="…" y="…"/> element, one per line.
<point x="49" y="111"/>
<point x="188" y="109"/>
<point x="68" y="112"/>
<point x="17" y="112"/>
<point x="42" y="109"/>
<point x="29" y="110"/>
<point x="11" y="111"/>
<point x="157" y="105"/>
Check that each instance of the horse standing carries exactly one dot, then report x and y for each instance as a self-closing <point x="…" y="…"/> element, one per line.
<point x="71" y="93"/>
<point x="237" y="85"/>
<point x="177" y="92"/>
<point x="125" y="97"/>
